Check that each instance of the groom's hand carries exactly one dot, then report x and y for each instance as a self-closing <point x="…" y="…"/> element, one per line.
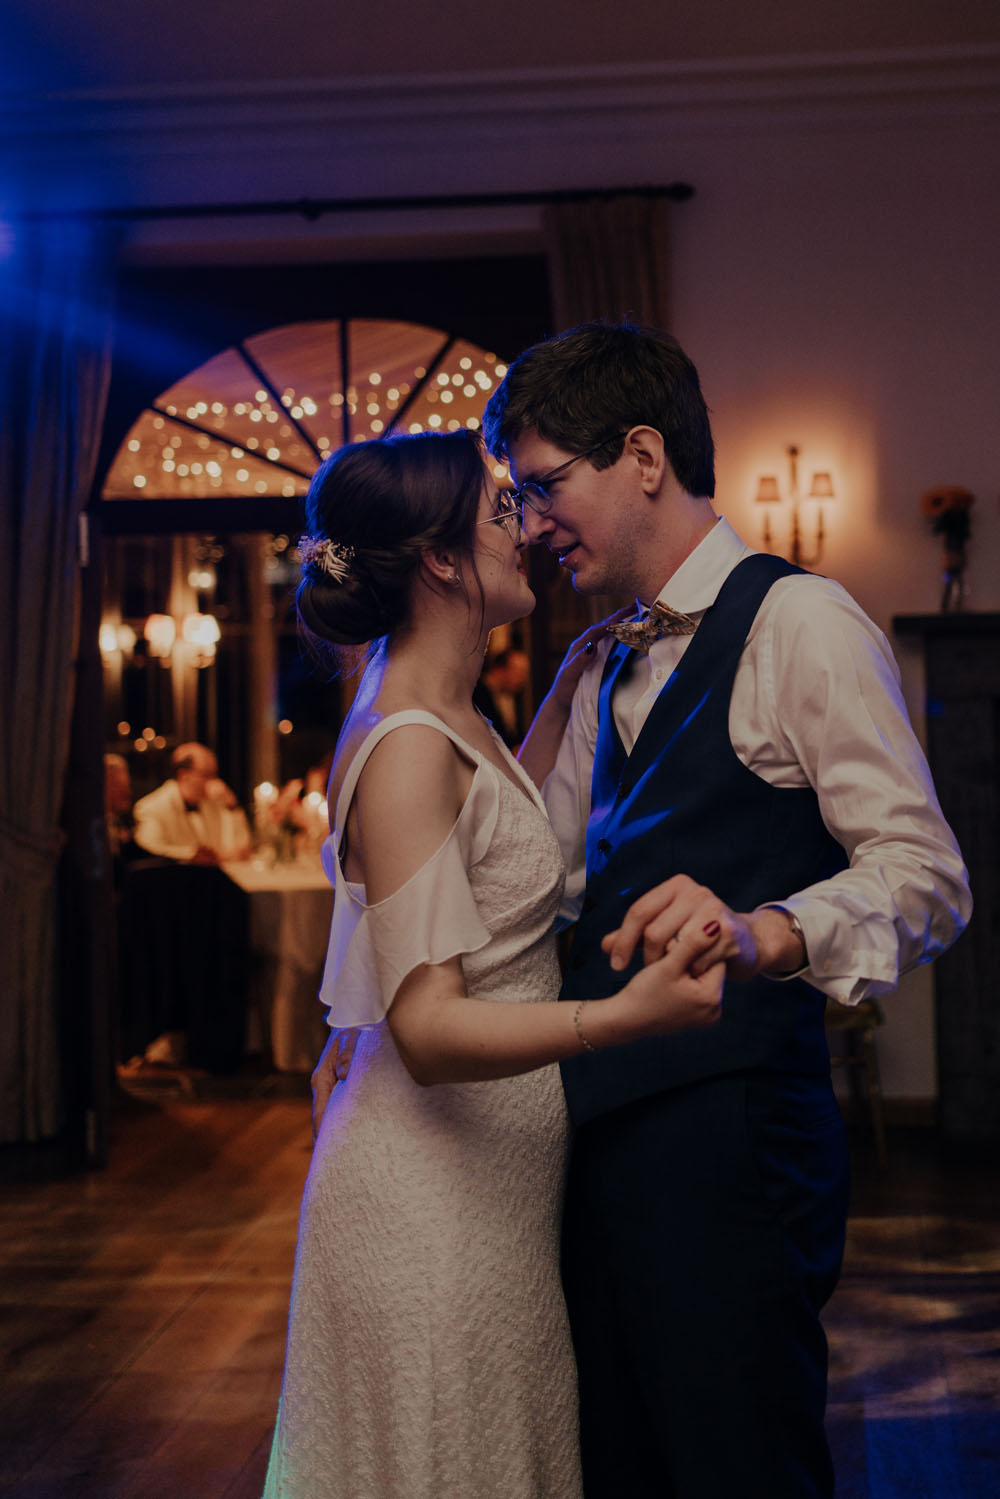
<point x="749" y="943"/>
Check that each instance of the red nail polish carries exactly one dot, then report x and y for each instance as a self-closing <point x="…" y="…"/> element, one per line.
<point x="712" y="930"/>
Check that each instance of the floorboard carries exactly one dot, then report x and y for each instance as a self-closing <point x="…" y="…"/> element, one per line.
<point x="144" y="1312"/>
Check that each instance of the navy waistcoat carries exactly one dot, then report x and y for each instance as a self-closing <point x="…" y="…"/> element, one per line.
<point x="683" y="803"/>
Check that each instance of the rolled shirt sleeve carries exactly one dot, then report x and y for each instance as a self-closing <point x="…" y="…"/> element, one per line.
<point x="817" y="701"/>
<point x="822" y="693"/>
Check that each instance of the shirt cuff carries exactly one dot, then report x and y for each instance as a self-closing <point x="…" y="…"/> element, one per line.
<point x="796" y="925"/>
<point x="846" y="975"/>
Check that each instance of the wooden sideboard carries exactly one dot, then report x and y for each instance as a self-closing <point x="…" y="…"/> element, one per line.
<point x="962" y="663"/>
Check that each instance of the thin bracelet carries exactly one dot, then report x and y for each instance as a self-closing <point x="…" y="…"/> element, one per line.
<point x="585" y="1044"/>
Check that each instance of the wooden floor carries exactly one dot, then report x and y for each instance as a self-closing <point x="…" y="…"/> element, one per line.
<point x="145" y="1313"/>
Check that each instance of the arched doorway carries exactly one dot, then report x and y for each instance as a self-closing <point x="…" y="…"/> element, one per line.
<point x="173" y="319"/>
<point x="197" y="637"/>
<point x="237" y="440"/>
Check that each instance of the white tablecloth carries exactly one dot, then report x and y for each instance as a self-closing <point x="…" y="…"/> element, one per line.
<point x="290" y="909"/>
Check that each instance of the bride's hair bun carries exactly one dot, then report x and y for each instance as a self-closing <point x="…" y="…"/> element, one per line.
<point x="372" y="510"/>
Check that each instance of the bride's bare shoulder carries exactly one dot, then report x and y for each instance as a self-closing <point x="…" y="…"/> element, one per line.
<point x="414" y="765"/>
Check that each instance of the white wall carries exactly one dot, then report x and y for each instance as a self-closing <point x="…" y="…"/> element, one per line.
<point x="839" y="289"/>
<point x="835" y="277"/>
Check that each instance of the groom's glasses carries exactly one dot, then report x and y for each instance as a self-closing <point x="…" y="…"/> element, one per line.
<point x="534" y="492"/>
<point x="508" y="513"/>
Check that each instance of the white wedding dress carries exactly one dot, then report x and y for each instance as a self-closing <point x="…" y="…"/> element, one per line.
<point x="429" y="1354"/>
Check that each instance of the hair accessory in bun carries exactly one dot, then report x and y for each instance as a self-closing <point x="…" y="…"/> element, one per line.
<point x="330" y="557"/>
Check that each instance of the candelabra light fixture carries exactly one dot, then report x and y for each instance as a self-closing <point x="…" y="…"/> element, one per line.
<point x="820" y="490"/>
<point x="197" y="638"/>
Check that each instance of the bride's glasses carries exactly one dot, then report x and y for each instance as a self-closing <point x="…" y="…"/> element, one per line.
<point x="508" y="514"/>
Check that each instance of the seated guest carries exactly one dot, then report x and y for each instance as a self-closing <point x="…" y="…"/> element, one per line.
<point x="499" y="693"/>
<point x="193" y="817"/>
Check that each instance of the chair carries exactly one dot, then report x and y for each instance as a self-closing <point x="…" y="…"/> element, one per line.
<point x="858" y="1024"/>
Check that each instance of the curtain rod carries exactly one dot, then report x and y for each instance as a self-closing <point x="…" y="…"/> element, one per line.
<point x="312" y="209"/>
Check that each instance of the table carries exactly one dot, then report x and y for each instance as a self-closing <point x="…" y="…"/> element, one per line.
<point x="290" y="908"/>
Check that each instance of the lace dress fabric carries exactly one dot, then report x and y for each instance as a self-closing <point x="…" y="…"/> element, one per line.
<point x="429" y="1354"/>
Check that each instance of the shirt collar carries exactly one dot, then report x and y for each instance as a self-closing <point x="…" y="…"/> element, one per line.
<point x="695" y="586"/>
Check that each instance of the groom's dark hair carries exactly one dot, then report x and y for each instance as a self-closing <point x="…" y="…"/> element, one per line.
<point x="598" y="380"/>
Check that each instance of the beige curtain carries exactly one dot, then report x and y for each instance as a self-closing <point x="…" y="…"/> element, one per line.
<point x="608" y="258"/>
<point x="55" y="323"/>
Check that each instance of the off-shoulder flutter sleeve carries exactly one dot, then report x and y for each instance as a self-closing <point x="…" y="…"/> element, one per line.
<point x="431" y="918"/>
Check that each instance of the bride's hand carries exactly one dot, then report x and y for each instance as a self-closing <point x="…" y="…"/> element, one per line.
<point x="580" y="655"/>
<point x="669" y="996"/>
<point x="760" y="941"/>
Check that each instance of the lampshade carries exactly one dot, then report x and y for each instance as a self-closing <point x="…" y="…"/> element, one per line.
<point x="767" y="490"/>
<point x="821" y="487"/>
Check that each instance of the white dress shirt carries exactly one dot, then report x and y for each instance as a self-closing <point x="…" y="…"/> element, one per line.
<point x="165" y="826"/>
<point x="816" y="701"/>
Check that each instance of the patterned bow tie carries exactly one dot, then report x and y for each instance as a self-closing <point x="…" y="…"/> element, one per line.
<point x="639" y="634"/>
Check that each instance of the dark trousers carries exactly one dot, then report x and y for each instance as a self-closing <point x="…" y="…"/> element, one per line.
<point x="703" y="1231"/>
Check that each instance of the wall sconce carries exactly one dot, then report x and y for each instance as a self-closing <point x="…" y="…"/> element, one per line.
<point x="160" y="632"/>
<point x="820" y="489"/>
<point x="200" y="632"/>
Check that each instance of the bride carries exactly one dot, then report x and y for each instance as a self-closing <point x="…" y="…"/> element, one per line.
<point x="429" y="1355"/>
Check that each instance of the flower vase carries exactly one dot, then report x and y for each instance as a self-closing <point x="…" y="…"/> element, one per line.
<point x="947" y="508"/>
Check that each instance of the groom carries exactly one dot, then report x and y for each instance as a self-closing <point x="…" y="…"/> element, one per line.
<point x="753" y="769"/>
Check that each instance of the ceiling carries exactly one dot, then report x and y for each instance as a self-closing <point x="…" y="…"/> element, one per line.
<point x="117" y="46"/>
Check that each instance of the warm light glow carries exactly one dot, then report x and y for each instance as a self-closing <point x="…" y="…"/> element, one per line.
<point x="160" y="632"/>
<point x="108" y="640"/>
<point x="806" y="525"/>
<point x="201" y="630"/>
<point x="285" y="726"/>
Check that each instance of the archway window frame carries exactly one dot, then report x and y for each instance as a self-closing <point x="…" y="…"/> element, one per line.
<point x="228" y="514"/>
